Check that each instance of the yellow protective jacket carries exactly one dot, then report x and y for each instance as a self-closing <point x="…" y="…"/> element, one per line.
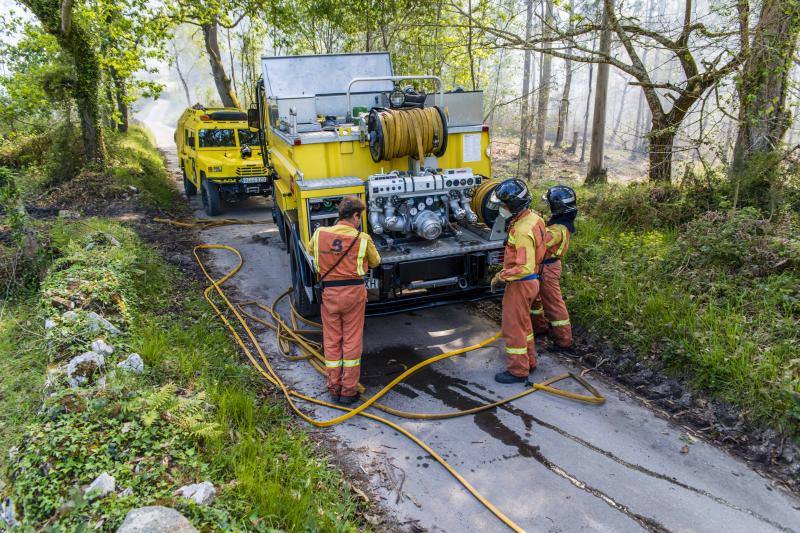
<point x="557" y="241"/>
<point x="329" y="243"/>
<point x="525" y="247"/>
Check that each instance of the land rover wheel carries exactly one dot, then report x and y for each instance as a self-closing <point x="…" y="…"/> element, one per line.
<point x="211" y="200"/>
<point x="188" y="187"/>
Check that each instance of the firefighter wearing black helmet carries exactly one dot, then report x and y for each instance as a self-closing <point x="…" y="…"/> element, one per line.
<point x="524" y="252"/>
<point x="549" y="312"/>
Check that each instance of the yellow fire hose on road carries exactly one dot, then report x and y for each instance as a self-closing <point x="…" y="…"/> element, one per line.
<point x="292" y="335"/>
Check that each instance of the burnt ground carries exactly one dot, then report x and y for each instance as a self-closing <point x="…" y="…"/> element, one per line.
<point x="770" y="453"/>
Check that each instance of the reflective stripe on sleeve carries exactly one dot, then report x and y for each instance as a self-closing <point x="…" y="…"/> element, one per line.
<point x="333" y="364"/>
<point x="512" y="240"/>
<point x="362" y="251"/>
<point x="315" y="238"/>
<point x="529" y="338"/>
<point x="538" y="311"/>
<point x="517" y="351"/>
<point x="556" y="323"/>
<point x="349" y="363"/>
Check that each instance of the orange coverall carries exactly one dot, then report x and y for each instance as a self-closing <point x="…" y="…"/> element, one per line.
<point x="523" y="252"/>
<point x="549" y="312"/>
<point x="343" y="306"/>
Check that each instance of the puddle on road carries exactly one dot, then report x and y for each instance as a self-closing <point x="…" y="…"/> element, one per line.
<point x="382" y="365"/>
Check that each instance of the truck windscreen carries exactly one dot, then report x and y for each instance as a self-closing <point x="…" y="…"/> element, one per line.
<point x="250" y="138"/>
<point x="216" y="138"/>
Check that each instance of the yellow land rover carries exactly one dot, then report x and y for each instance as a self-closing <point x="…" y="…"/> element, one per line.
<point x="220" y="156"/>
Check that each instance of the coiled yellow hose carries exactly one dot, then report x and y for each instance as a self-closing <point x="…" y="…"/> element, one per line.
<point x="288" y="335"/>
<point x="407" y="132"/>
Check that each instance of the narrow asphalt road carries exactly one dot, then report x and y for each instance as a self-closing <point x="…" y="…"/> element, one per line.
<point x="549" y="463"/>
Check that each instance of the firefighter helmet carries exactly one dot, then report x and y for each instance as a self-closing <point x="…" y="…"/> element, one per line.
<point x="514" y="194"/>
<point x="561" y="199"/>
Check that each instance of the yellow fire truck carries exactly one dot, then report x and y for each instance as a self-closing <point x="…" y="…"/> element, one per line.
<point x="220" y="156"/>
<point x="345" y="124"/>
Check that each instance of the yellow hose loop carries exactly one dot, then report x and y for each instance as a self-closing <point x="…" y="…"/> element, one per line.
<point x="410" y="132"/>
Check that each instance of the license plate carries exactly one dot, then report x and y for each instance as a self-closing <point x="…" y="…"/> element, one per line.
<point x="371" y="283"/>
<point x="254" y="179"/>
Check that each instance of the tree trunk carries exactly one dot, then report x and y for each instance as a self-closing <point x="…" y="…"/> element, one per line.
<point x="544" y="86"/>
<point x="661" y="140"/>
<point x="764" y="115"/>
<point x="597" y="171"/>
<point x="619" y="112"/>
<point x="586" y="112"/>
<point x="563" y="108"/>
<point x="86" y="89"/>
<point x="226" y="93"/>
<point x="121" y="96"/>
<point x="526" y="87"/>
<point x="181" y="76"/>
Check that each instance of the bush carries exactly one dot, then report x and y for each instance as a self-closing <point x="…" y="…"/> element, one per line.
<point x="740" y="242"/>
<point x="647" y="206"/>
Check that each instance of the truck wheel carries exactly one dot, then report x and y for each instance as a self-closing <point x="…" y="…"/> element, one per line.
<point x="300" y="300"/>
<point x="211" y="201"/>
<point x="188" y="187"/>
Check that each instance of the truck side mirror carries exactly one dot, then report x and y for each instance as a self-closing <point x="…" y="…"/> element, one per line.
<point x="253" y="120"/>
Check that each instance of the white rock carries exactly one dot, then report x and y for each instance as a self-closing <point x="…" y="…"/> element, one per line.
<point x="102" y="486"/>
<point x="82" y="368"/>
<point x="133" y="363"/>
<point x="96" y="323"/>
<point x="7" y="513"/>
<point x="69" y="316"/>
<point x="49" y="323"/>
<point x="155" y="519"/>
<point x="66" y="213"/>
<point x="102" y="347"/>
<point x="126" y="493"/>
<point x="201" y="493"/>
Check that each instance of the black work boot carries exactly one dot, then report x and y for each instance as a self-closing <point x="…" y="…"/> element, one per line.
<point x="508" y="377"/>
<point x="334" y="397"/>
<point x="347" y="400"/>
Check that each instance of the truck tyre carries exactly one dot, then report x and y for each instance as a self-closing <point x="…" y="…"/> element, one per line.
<point x="188" y="187"/>
<point x="277" y="218"/>
<point x="211" y="200"/>
<point x="299" y="297"/>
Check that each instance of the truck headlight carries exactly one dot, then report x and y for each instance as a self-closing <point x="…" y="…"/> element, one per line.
<point x="215" y="169"/>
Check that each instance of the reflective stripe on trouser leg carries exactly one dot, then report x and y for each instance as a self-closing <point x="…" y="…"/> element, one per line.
<point x="531" y="350"/>
<point x="538" y="318"/>
<point x="517" y="300"/>
<point x="332" y="344"/>
<point x="554" y="307"/>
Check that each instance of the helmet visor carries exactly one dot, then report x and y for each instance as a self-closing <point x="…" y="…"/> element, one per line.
<point x="494" y="202"/>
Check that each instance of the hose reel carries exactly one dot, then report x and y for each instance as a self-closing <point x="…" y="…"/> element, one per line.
<point x="411" y="132"/>
<point x="480" y="202"/>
